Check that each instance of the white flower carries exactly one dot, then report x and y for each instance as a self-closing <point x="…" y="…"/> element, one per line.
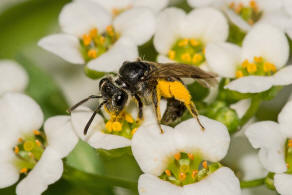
<point x="184" y="38"/>
<point x="157" y="155"/>
<point x="118" y="6"/>
<point x="258" y="65"/>
<point x="13" y="77"/>
<point x="25" y="150"/>
<point x="246" y="13"/>
<point x="274" y="141"/>
<point x="105" y="135"/>
<point x="91" y="35"/>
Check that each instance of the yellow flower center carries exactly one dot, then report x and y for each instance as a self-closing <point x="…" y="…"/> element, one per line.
<point x="29" y="150"/>
<point x="94" y="44"/>
<point x="187" y="51"/>
<point x="259" y="66"/>
<point x="250" y="13"/>
<point x="288" y="156"/>
<point x="187" y="168"/>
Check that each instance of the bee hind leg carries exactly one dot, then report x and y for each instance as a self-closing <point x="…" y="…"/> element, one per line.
<point x="193" y="110"/>
<point x="156" y="102"/>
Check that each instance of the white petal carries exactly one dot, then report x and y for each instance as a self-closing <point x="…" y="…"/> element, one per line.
<point x="270" y="5"/>
<point x="137" y="24"/>
<point x="108" y="141"/>
<point x="124" y="49"/>
<point x="276" y="18"/>
<point x="57" y="128"/>
<point x="13" y="78"/>
<point x="47" y="171"/>
<point x="109" y="5"/>
<point x="282" y="183"/>
<point x="163" y="59"/>
<point x="266" y="135"/>
<point x="79" y="119"/>
<point x="288" y="6"/>
<point x="205" y="23"/>
<point x="64" y="46"/>
<point x="167" y="32"/>
<point x="200" y="3"/>
<point x="212" y="143"/>
<point x="78" y="18"/>
<point x="237" y="20"/>
<point x="251" y="84"/>
<point x="221" y="182"/>
<point x="152" y="185"/>
<point x="257" y="190"/>
<point x="223" y="58"/>
<point x="241" y="107"/>
<point x="285" y="119"/>
<point x="154" y="5"/>
<point x="268" y="42"/>
<point x="28" y="115"/>
<point x="9" y="175"/>
<point x="283" y="76"/>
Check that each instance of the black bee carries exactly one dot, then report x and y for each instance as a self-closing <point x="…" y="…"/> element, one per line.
<point x="147" y="82"/>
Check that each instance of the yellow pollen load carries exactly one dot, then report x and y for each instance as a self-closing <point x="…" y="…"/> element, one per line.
<point x="167" y="172"/>
<point x="197" y="58"/>
<point x="186" y="57"/>
<point x="251" y="68"/>
<point x="194" y="173"/>
<point x="205" y="164"/>
<point x="117" y="126"/>
<point x="134" y="131"/>
<point x="182" y="176"/>
<point x="191" y="156"/>
<point x="177" y="156"/>
<point x="239" y="74"/>
<point x="23" y="170"/>
<point x="86" y="39"/>
<point x="183" y="43"/>
<point x="171" y="54"/>
<point x="129" y="118"/>
<point x="16" y="149"/>
<point x="92" y="53"/>
<point x="28" y="145"/>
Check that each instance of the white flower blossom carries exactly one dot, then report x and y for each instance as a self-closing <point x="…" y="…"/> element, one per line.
<point x="25" y="150"/>
<point x="274" y="141"/>
<point x="184" y="38"/>
<point x="118" y="6"/>
<point x="13" y="78"/>
<point x="246" y="13"/>
<point x="258" y="65"/>
<point x="90" y="35"/>
<point x="158" y="153"/>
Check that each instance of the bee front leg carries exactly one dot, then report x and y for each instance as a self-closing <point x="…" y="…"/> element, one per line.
<point x="156" y="104"/>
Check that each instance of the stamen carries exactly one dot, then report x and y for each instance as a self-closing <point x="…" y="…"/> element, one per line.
<point x="258" y="59"/>
<point x="117" y="126"/>
<point x="186" y="57"/>
<point x="194" y="42"/>
<point x="205" y="164"/>
<point x="194" y="173"/>
<point x="167" y="172"/>
<point x="251" y="68"/>
<point x="38" y="143"/>
<point x="109" y="30"/>
<point x="92" y="53"/>
<point x="20" y="140"/>
<point x="86" y="40"/>
<point x="191" y="156"/>
<point x="93" y="32"/>
<point x="183" y="43"/>
<point x="245" y="63"/>
<point x="239" y="8"/>
<point x="182" y="176"/>
<point x="108" y="126"/>
<point x="16" y="149"/>
<point x="239" y="74"/>
<point x="129" y="118"/>
<point x="134" y="131"/>
<point x="23" y="170"/>
<point x="36" y="132"/>
<point x="290" y="143"/>
<point x="171" y="54"/>
<point x="197" y="58"/>
<point x="177" y="156"/>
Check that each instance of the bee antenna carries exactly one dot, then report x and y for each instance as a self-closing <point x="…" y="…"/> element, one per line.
<point x="92" y="117"/>
<point x="82" y="102"/>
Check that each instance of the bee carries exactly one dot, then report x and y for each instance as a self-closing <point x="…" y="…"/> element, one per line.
<point x="147" y="82"/>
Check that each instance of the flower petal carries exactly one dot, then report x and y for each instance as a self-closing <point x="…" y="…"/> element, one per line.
<point x="47" y="171"/>
<point x="108" y="141"/>
<point x="212" y="143"/>
<point x="270" y="5"/>
<point x="154" y="5"/>
<point x="109" y="5"/>
<point x="124" y="49"/>
<point x="251" y="84"/>
<point x="64" y="46"/>
<point x="285" y="119"/>
<point x="138" y="24"/>
<point x="266" y="135"/>
<point x="268" y="42"/>
<point x="237" y="20"/>
<point x="9" y="175"/>
<point x="223" y="58"/>
<point x="78" y="18"/>
<point x="167" y="32"/>
<point x="222" y="181"/>
<point x="241" y="106"/>
<point x="282" y="183"/>
<point x="283" y="76"/>
<point x="28" y="115"/>
<point x="205" y="23"/>
<point x="152" y="185"/>
<point x="79" y="119"/>
<point x="200" y="3"/>
<point x="56" y="129"/>
<point x="13" y="78"/>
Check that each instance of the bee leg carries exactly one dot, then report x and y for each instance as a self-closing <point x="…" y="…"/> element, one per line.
<point x="81" y="102"/>
<point x="156" y="101"/>
<point x="193" y="110"/>
<point x="140" y="108"/>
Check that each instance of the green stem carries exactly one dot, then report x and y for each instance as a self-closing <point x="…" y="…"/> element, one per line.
<point x="252" y="183"/>
<point x="253" y="108"/>
<point x="94" y="181"/>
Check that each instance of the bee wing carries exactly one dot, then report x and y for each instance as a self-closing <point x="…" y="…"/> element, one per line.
<point x="177" y="70"/>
